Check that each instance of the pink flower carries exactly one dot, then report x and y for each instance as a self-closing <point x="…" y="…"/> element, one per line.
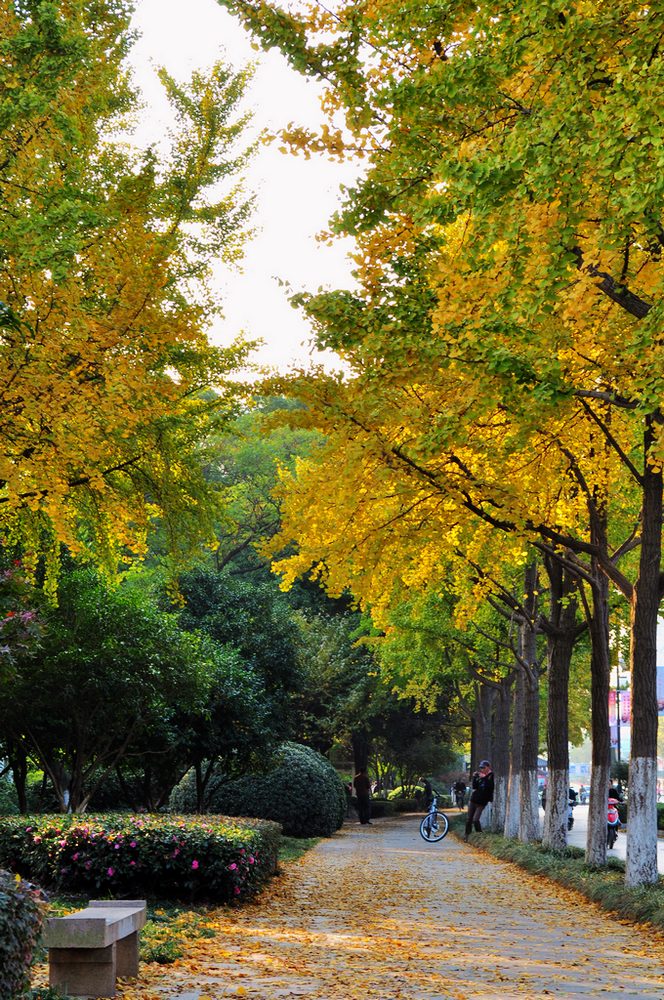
<point x="232" y="867"/>
<point x="110" y="872"/>
<point x="117" y="847"/>
<point x="236" y="890"/>
<point x="63" y="843"/>
<point x="75" y="857"/>
<point x="88" y="864"/>
<point x="132" y="843"/>
<point x="131" y="863"/>
<point x="194" y="864"/>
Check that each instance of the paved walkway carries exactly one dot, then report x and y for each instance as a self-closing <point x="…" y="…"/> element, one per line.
<point x="376" y="913"/>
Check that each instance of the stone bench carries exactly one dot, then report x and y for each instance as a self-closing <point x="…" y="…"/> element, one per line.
<point x="87" y="950"/>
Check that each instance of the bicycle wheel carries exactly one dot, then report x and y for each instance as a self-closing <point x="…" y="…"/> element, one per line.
<point x="611" y="837"/>
<point x="434" y="827"/>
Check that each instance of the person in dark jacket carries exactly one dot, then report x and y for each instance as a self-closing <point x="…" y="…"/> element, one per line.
<point x="363" y="792"/>
<point x="480" y="796"/>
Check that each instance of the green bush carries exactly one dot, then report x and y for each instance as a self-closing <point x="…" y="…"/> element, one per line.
<point x="405" y="792"/>
<point x="8" y="798"/>
<point x="20" y="925"/>
<point x="172" y="857"/>
<point x="301" y="790"/>
<point x="660" y="815"/>
<point x="407" y="805"/>
<point x="381" y="807"/>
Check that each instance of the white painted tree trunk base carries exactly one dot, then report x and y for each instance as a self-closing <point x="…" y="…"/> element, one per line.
<point x="555" y="816"/>
<point x="513" y="803"/>
<point x="641" y="857"/>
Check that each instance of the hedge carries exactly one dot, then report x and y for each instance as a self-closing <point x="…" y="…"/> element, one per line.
<point x="169" y="857"/>
<point x="300" y="790"/>
<point x="20" y="926"/>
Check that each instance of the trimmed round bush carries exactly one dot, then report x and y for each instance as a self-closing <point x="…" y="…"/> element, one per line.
<point x="20" y="925"/>
<point x="301" y="790"/>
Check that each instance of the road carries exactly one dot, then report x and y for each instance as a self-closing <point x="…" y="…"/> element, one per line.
<point x="577" y="837"/>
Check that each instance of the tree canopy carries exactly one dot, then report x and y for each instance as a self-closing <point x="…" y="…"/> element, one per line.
<point x="104" y="300"/>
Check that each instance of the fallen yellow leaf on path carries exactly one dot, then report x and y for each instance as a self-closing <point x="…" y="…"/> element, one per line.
<point x="378" y="918"/>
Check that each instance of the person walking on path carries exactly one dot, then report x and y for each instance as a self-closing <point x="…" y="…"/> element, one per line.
<point x="480" y="796"/>
<point x="363" y="793"/>
<point x="459" y="788"/>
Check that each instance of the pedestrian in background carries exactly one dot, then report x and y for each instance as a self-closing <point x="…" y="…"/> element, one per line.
<point x="363" y="792"/>
<point x="480" y="796"/>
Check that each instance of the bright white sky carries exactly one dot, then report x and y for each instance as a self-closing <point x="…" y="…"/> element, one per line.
<point x="295" y="197"/>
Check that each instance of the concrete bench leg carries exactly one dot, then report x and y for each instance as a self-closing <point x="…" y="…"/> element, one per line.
<point x="127" y="956"/>
<point x="83" y="972"/>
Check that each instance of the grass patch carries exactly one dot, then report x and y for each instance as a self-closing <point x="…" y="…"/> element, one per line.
<point x="292" y="848"/>
<point x="605" y="886"/>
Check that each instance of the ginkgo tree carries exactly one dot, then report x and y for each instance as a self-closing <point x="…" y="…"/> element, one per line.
<point x="105" y="292"/>
<point x="512" y="196"/>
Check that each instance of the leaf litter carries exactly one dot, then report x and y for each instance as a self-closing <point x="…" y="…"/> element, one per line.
<point x="376" y="914"/>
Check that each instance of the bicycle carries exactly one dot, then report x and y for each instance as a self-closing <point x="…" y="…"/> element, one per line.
<point x="435" y="824"/>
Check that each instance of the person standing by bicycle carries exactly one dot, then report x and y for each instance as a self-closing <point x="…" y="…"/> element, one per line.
<point x="427" y="792"/>
<point x="480" y="796"/>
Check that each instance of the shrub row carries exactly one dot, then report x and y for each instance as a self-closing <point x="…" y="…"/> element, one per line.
<point x="20" y="925"/>
<point x="171" y="857"/>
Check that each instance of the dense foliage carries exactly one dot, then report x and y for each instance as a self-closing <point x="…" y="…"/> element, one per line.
<point x="503" y="386"/>
<point x="301" y="790"/>
<point x="20" y="925"/>
<point x="111" y="665"/>
<point x="255" y="618"/>
<point x="105" y="364"/>
<point x="171" y="857"/>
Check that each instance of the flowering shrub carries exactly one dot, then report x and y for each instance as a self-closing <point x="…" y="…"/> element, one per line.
<point x="20" y="627"/>
<point x="20" y="924"/>
<point x="173" y="857"/>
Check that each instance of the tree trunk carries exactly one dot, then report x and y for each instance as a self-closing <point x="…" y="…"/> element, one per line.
<point x="600" y="668"/>
<point x="360" y="741"/>
<point x="500" y="753"/>
<point x="19" y="765"/>
<point x="125" y="789"/>
<point x="482" y="718"/>
<point x="529" y="825"/>
<point x="562" y="636"/>
<point x="641" y="860"/>
<point x="200" y="786"/>
<point x="485" y="696"/>
<point x="514" y="784"/>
